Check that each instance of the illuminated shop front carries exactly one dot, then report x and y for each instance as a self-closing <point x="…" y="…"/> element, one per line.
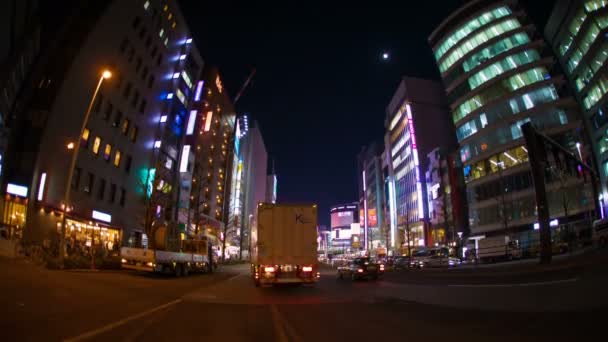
<point x="87" y="233"/>
<point x="14" y="212"/>
<point x="81" y="232"/>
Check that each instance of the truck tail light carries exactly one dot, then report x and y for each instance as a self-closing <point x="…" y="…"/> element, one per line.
<point x="269" y="269"/>
<point x="307" y="269"/>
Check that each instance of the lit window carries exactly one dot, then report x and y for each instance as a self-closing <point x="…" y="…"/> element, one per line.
<point x="187" y="79"/>
<point x="84" y="142"/>
<point x="182" y="57"/>
<point x="181" y="96"/>
<point x="166" y="41"/>
<point x="117" y="158"/>
<point x="134" y="131"/>
<point x="175" y="75"/>
<point x="169" y="96"/>
<point x="170" y="16"/>
<point x="163" y="118"/>
<point x="161" y="33"/>
<point x="189" y="40"/>
<point x="125" y="126"/>
<point x="157" y="144"/>
<point x="107" y="151"/>
<point x="173" y="25"/>
<point x="96" y="145"/>
<point x="165" y="8"/>
<point x="146" y="4"/>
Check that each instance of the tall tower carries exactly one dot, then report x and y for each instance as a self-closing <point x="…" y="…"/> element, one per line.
<point x="498" y="75"/>
<point x="576" y="31"/>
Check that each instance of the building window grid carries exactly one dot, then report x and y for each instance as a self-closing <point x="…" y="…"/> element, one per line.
<point x="511" y="106"/>
<point x="477" y="40"/>
<point x="500" y="67"/>
<point x="463" y="31"/>
<point x="506" y="86"/>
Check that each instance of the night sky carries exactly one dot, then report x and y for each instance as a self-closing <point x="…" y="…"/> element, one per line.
<point x="321" y="86"/>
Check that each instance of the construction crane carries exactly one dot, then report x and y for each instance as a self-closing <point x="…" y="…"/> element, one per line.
<point x="244" y="86"/>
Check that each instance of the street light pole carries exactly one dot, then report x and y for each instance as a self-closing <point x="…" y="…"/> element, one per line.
<point x="76" y="145"/>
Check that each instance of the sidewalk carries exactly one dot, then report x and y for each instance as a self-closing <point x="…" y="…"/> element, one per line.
<point x="580" y="258"/>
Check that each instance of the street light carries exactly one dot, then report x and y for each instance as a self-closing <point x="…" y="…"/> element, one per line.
<point x="106" y="74"/>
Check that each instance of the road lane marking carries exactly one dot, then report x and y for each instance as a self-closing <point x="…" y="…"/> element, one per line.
<point x="234" y="277"/>
<point x="283" y="330"/>
<point x="123" y="321"/>
<point x="539" y="283"/>
<point x="279" y="331"/>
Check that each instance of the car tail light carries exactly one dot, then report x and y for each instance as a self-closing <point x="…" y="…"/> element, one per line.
<point x="307" y="269"/>
<point x="269" y="269"/>
<point x="360" y="270"/>
<point x="123" y="260"/>
<point x="381" y="267"/>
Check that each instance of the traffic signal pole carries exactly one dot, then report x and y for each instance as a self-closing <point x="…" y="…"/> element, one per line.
<point x="537" y="164"/>
<point x="536" y="143"/>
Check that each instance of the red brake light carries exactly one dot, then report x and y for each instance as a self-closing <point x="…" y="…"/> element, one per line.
<point x="381" y="267"/>
<point x="360" y="270"/>
<point x="307" y="269"/>
<point x="268" y="269"/>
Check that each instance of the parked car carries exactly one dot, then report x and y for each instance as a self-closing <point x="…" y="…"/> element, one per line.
<point x="600" y="232"/>
<point x="361" y="268"/>
<point x="433" y="257"/>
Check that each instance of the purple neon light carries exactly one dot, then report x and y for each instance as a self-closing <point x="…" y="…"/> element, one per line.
<point x="199" y="90"/>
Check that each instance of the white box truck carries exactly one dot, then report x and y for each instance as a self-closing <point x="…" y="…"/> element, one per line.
<point x="284" y="244"/>
<point x="496" y="248"/>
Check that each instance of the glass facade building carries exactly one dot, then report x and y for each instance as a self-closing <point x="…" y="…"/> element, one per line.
<point x="577" y="30"/>
<point x="417" y="122"/>
<point x="497" y="77"/>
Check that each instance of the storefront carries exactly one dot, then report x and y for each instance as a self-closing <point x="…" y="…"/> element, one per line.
<point x="81" y="235"/>
<point x="14" y="211"/>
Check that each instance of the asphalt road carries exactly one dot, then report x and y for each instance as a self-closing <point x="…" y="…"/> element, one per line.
<point x="42" y="305"/>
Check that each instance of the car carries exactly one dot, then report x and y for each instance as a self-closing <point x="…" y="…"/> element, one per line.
<point x="433" y="257"/>
<point x="600" y="232"/>
<point x="361" y="268"/>
<point x="401" y="263"/>
<point x="440" y="260"/>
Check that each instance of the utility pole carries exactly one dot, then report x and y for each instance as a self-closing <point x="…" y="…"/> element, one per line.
<point x="537" y="164"/>
<point x="535" y="142"/>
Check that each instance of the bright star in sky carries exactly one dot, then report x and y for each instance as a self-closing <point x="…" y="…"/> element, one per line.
<point x="385" y="56"/>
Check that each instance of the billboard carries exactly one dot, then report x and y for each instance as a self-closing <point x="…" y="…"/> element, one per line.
<point x="372" y="217"/>
<point x="341" y="219"/>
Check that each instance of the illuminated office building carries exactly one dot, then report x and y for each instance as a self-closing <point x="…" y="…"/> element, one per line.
<point x="416" y="123"/>
<point x="212" y="147"/>
<point x="131" y="153"/>
<point x="498" y="77"/>
<point x="577" y="32"/>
